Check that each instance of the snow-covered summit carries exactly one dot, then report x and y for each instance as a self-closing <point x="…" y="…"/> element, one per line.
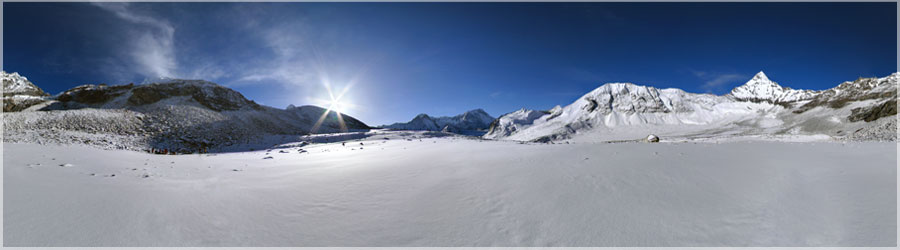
<point x="626" y="98"/>
<point x="420" y="122"/>
<point x="15" y="84"/>
<point x="473" y="119"/>
<point x="19" y="93"/>
<point x="761" y="89"/>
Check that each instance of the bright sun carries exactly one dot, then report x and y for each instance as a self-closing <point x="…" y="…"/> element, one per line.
<point x="334" y="103"/>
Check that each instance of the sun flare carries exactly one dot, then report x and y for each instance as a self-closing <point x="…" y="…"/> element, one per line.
<point x="337" y="105"/>
<point x="334" y="103"/>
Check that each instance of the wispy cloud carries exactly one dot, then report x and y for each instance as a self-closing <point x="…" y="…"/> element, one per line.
<point x="152" y="48"/>
<point x="207" y="71"/>
<point x="302" y="59"/>
<point x="502" y="94"/>
<point x="293" y="62"/>
<point x="292" y="57"/>
<point x="714" y="81"/>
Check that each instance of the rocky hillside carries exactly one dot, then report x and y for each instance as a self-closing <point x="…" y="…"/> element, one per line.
<point x="180" y="115"/>
<point x="198" y="92"/>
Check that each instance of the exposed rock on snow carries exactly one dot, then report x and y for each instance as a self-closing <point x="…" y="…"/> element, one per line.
<point x="868" y="114"/>
<point x="879" y="130"/>
<point x="859" y="90"/>
<point x="20" y="102"/>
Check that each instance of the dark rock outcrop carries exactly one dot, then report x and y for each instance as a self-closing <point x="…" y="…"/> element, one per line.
<point x="869" y="114"/>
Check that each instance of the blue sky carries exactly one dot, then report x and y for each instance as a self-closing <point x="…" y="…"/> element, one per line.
<point x="402" y="59"/>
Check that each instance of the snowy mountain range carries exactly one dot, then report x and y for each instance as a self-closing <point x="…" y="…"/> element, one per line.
<point x="761" y="107"/>
<point x="472" y="120"/>
<point x="185" y="115"/>
<point x="180" y="115"/>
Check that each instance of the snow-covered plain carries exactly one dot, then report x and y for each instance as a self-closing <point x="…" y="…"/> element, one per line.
<point x="416" y="190"/>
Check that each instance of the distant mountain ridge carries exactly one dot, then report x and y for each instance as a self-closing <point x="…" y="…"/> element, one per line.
<point x="472" y="120"/>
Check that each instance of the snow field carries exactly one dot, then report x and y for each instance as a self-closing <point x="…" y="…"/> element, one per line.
<point x="451" y="191"/>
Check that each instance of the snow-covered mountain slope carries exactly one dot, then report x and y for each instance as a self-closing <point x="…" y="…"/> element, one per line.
<point x="628" y="106"/>
<point x="509" y="123"/>
<point x="15" y="84"/>
<point x="471" y="120"/>
<point x="181" y="115"/>
<point x="862" y="89"/>
<point x="19" y="93"/>
<point x="761" y="89"/>
<point x="625" y="111"/>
